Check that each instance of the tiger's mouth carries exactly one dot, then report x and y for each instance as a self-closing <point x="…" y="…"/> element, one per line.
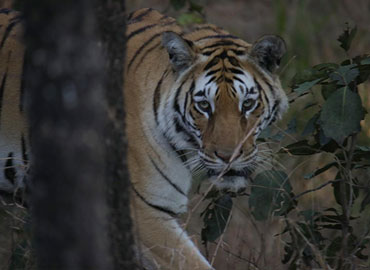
<point x="229" y="173"/>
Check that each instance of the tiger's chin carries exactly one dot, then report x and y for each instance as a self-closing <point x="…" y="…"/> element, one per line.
<point x="231" y="182"/>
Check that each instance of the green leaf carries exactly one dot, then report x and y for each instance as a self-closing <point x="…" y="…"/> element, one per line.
<point x="328" y="89"/>
<point x="323" y="140"/>
<point x="348" y="190"/>
<point x="366" y="200"/>
<point x="346" y="37"/>
<point x="178" y="4"/>
<point x="190" y="18"/>
<point x="308" y="75"/>
<point x="310" y="126"/>
<point x="271" y="194"/>
<point x="196" y="7"/>
<point x="292" y="126"/>
<point x="309" y="214"/>
<point x="326" y="67"/>
<point x="300" y="148"/>
<point x="361" y="152"/>
<point x="334" y="247"/>
<point x="344" y="75"/>
<point x="267" y="134"/>
<point x="215" y="218"/>
<point x="304" y="87"/>
<point x="341" y="115"/>
<point x="365" y="61"/>
<point x="321" y="170"/>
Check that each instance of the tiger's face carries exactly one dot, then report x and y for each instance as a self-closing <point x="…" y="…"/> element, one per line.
<point x="225" y="111"/>
<point x="232" y="96"/>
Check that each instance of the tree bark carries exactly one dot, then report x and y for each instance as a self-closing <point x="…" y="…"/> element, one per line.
<point x="112" y="27"/>
<point x="66" y="119"/>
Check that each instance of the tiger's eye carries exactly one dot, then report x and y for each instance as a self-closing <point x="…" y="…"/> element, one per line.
<point x="204" y="105"/>
<point x="248" y="104"/>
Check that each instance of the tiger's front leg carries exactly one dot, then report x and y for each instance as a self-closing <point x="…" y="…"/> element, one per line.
<point x="162" y="241"/>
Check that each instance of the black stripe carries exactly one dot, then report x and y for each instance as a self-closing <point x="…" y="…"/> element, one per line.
<point x="176" y="106"/>
<point x="2" y="87"/>
<point x="212" y="72"/>
<point x="197" y="110"/>
<point x="266" y="96"/>
<point x="156" y="98"/>
<point x="130" y="16"/>
<point x="9" y="170"/>
<point x="23" y="76"/>
<point x="219" y="36"/>
<point x="187" y="95"/>
<point x="146" y="44"/>
<point x="233" y="61"/>
<point x="9" y="29"/>
<point x="228" y="80"/>
<point x="200" y="93"/>
<point x="138" y="17"/>
<point x="236" y="71"/>
<point x="160" y="208"/>
<point x="192" y="87"/>
<point x="145" y="54"/>
<point x="209" y="52"/>
<point x="233" y="93"/>
<point x="5" y="10"/>
<point x="211" y="79"/>
<point x="166" y="178"/>
<point x="242" y="89"/>
<point x="140" y="30"/>
<point x="180" y="153"/>
<point x="207" y="27"/>
<point x="239" y="80"/>
<point x="180" y="129"/>
<point x="237" y="52"/>
<point x="212" y="63"/>
<point x="221" y="43"/>
<point x="24" y="150"/>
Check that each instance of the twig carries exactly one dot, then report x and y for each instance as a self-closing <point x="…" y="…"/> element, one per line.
<point x="346" y="203"/>
<point x="316" y="188"/>
<point x="221" y="239"/>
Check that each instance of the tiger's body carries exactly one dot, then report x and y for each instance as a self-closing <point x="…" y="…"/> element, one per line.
<point x="194" y="99"/>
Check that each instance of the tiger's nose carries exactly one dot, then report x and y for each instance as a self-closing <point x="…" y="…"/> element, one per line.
<point x="226" y="156"/>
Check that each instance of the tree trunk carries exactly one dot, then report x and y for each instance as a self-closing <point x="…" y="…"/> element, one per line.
<point x="112" y="27"/>
<point x="66" y="119"/>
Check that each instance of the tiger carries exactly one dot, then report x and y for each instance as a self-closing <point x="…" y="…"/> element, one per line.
<point x="196" y="99"/>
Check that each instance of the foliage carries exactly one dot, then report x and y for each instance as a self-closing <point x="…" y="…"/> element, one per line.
<point x="193" y="15"/>
<point x="327" y="239"/>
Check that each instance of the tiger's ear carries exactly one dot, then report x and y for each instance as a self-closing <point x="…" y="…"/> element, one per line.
<point x="179" y="50"/>
<point x="268" y="51"/>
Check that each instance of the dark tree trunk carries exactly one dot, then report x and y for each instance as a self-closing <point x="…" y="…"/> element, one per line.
<point x="66" y="119"/>
<point x="112" y="27"/>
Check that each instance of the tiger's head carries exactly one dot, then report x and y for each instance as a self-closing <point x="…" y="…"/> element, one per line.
<point x="226" y="93"/>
